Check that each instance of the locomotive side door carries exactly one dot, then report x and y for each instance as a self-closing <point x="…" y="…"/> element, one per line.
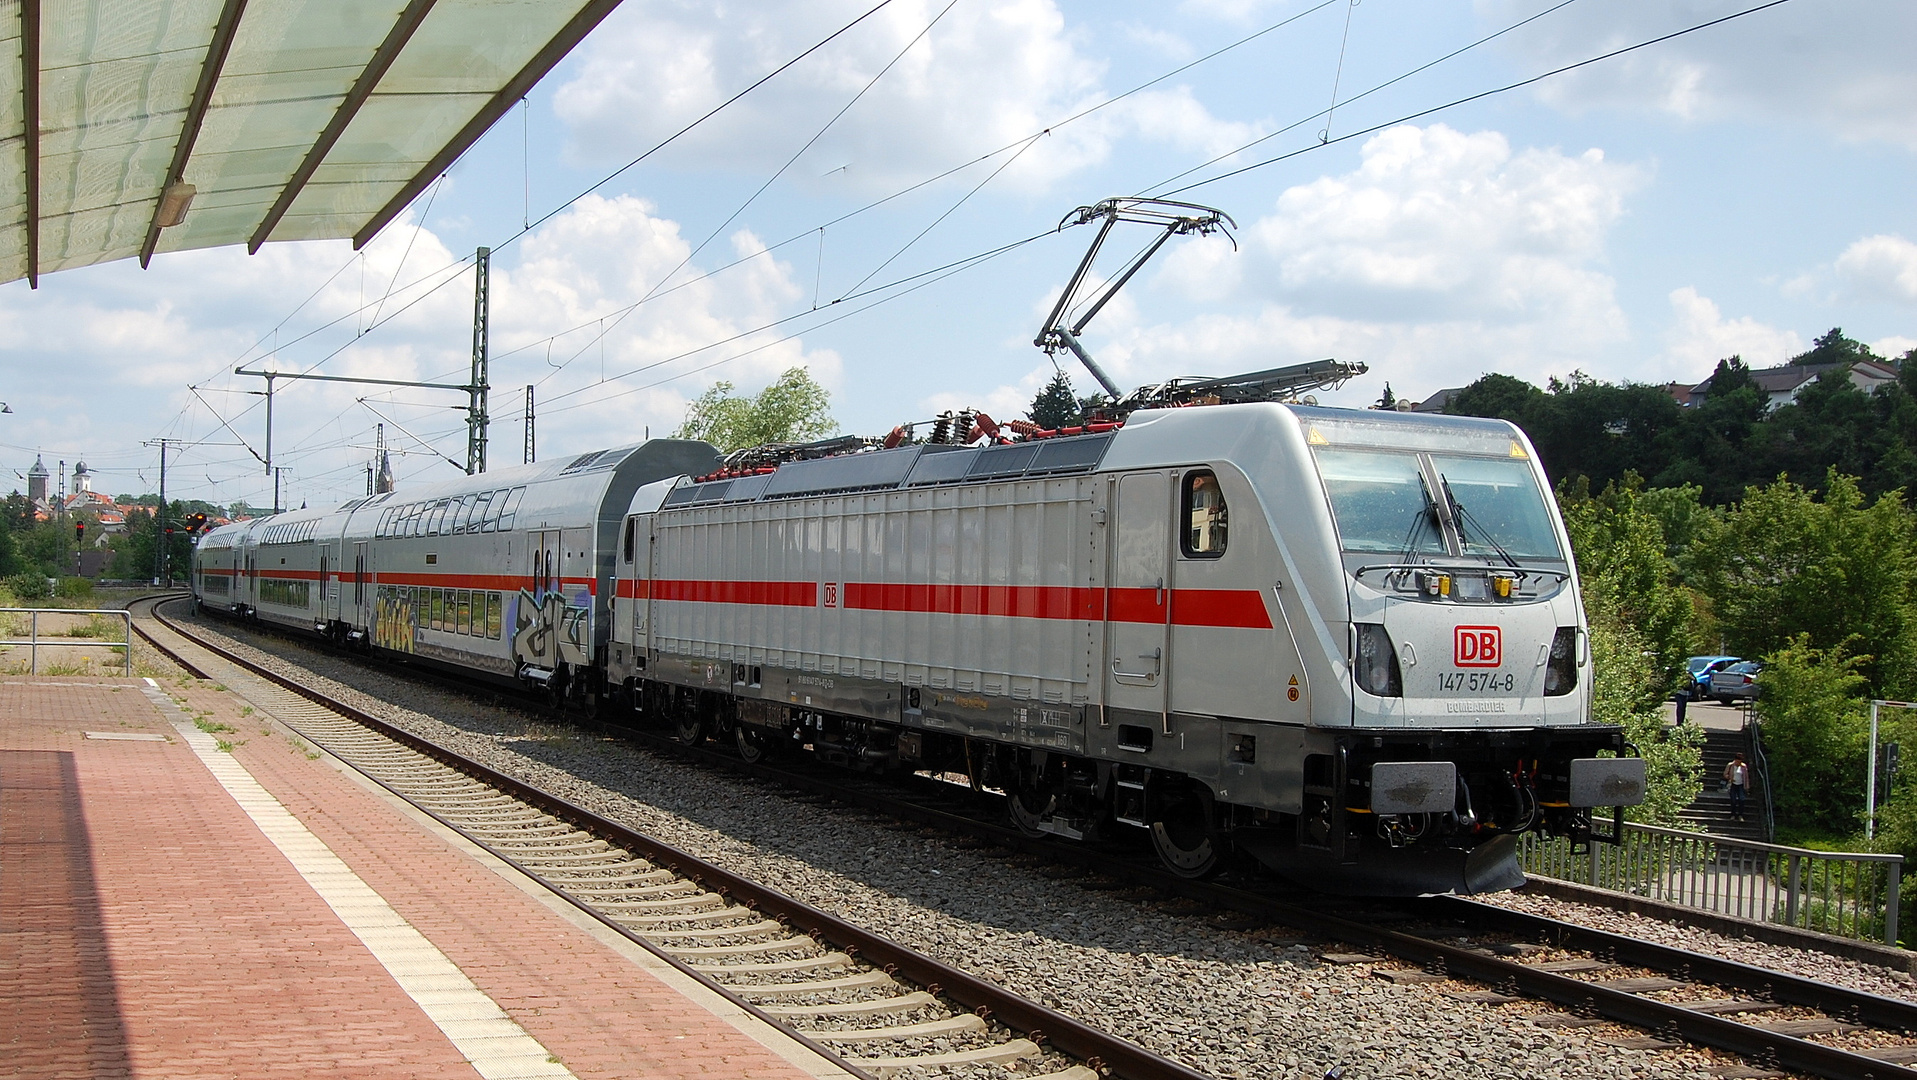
<point x="642" y="584"/>
<point x="1138" y="598"/>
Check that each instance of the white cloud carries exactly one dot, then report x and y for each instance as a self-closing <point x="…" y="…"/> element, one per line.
<point x="1894" y="346"/>
<point x="99" y="357"/>
<point x="1442" y="256"/>
<point x="1699" y="336"/>
<point x="1843" y="67"/>
<point x="1881" y="267"/>
<point x="988" y="74"/>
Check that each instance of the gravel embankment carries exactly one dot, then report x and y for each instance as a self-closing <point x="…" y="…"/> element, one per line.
<point x="1229" y="1003"/>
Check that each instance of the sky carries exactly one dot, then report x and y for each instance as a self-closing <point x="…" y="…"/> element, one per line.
<point x="1736" y="190"/>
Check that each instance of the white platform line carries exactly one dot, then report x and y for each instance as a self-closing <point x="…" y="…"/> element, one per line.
<point x="495" y="1044"/>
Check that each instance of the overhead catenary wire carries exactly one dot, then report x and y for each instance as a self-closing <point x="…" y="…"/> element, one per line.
<point x="1015" y="145"/>
<point x="769" y="181"/>
<point x="1479" y="96"/>
<point x="1447" y="105"/>
<point x="528" y="226"/>
<point x="1393" y="81"/>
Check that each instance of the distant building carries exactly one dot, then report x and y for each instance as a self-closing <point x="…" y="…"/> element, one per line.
<point x="1782" y="384"/>
<point x="1436" y="402"/>
<point x="37" y="481"/>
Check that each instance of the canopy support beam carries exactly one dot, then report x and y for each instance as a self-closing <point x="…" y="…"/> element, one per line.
<point x="30" y="111"/>
<point x="543" y="61"/>
<point x="216" y="50"/>
<point x="389" y="50"/>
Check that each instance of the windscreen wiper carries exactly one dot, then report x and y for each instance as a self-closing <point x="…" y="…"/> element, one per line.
<point x="1426" y="519"/>
<point x="1462" y="517"/>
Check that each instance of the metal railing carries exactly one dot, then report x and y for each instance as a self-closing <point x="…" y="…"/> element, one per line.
<point x="35" y="642"/>
<point x="1846" y="893"/>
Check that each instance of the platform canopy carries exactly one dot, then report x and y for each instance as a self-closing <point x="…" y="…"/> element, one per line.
<point x="134" y="126"/>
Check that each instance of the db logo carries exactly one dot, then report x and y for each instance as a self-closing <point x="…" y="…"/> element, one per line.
<point x="831" y="594"/>
<point x="1477" y="646"/>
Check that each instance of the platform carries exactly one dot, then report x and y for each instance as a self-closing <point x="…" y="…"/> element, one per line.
<point x="175" y="902"/>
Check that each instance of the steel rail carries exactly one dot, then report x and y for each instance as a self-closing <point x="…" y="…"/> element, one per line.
<point x="1665" y="1019"/>
<point x="1099" y="1049"/>
<point x="506" y="857"/>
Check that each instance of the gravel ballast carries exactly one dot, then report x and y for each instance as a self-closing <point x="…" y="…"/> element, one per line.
<point x="1228" y="1003"/>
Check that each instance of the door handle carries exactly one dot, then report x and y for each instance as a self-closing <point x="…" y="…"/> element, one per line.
<point x="1158" y="599"/>
<point x="1156" y="656"/>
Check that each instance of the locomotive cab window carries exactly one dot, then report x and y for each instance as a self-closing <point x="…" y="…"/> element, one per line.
<point x="628" y="545"/>
<point x="1203" y="531"/>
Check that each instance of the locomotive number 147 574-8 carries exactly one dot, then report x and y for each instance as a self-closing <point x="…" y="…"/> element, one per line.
<point x="1476" y="682"/>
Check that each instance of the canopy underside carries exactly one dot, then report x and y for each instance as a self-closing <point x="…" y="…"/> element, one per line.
<point x="289" y="119"/>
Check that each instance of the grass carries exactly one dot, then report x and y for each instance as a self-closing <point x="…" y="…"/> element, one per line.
<point x="246" y="711"/>
<point x="225" y="747"/>
<point x="211" y="727"/>
<point x="97" y="627"/>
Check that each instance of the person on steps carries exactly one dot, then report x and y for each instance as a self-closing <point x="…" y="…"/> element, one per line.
<point x="1737" y="778"/>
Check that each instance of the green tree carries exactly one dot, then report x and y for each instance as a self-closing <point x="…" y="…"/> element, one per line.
<point x="1639" y="614"/>
<point x="1815" y="730"/>
<point x="1056" y="406"/>
<point x="1626" y="690"/>
<point x="1626" y="570"/>
<point x="48" y="548"/>
<point x="134" y="555"/>
<point x="1838" y="572"/>
<point x="1834" y="348"/>
<point x="792" y="409"/>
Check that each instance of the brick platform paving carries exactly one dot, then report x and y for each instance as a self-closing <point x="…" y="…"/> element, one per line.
<point x="149" y="929"/>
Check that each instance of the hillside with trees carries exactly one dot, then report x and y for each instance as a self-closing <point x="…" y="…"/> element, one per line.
<point x="1783" y="533"/>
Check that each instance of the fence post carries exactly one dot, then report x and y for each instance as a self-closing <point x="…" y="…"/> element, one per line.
<point x="1893" y="875"/>
<point x="1592" y="877"/>
<point x="33" y="643"/>
<point x="128" y="667"/>
<point x="1790" y="895"/>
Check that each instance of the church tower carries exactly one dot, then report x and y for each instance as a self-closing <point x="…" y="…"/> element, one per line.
<point x="37" y="481"/>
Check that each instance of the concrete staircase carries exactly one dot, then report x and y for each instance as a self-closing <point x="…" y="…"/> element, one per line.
<point x="1712" y="810"/>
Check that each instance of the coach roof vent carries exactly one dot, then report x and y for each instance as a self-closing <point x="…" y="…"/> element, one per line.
<point x="598" y="459"/>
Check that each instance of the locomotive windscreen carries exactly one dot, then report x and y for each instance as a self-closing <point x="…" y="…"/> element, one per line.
<point x="1387" y="477"/>
<point x="1386" y="502"/>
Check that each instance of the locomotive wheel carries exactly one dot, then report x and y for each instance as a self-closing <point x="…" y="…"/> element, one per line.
<point x="1028" y="806"/>
<point x="1183" y="838"/>
<point x="689" y="725"/>
<point x="753" y="744"/>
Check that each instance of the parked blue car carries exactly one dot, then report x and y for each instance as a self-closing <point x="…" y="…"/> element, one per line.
<point x="1698" y="671"/>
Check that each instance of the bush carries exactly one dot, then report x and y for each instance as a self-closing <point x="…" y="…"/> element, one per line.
<point x="75" y="588"/>
<point x="1625" y="691"/>
<point x="1815" y="730"/>
<point x="31" y="585"/>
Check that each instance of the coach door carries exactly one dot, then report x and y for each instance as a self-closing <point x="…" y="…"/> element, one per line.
<point x="328" y="587"/>
<point x="362" y="586"/>
<point x="536" y="637"/>
<point x="1138" y="599"/>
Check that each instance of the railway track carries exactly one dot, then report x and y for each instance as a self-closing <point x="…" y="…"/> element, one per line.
<point x="1772" y="1019"/>
<point x="871" y="1005"/>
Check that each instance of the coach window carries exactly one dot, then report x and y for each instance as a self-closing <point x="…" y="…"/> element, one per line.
<point x="1203" y="536"/>
<point x="628" y="545"/>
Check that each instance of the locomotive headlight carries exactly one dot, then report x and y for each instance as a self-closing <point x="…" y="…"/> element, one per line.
<point x="1561" y="670"/>
<point x="1376" y="665"/>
